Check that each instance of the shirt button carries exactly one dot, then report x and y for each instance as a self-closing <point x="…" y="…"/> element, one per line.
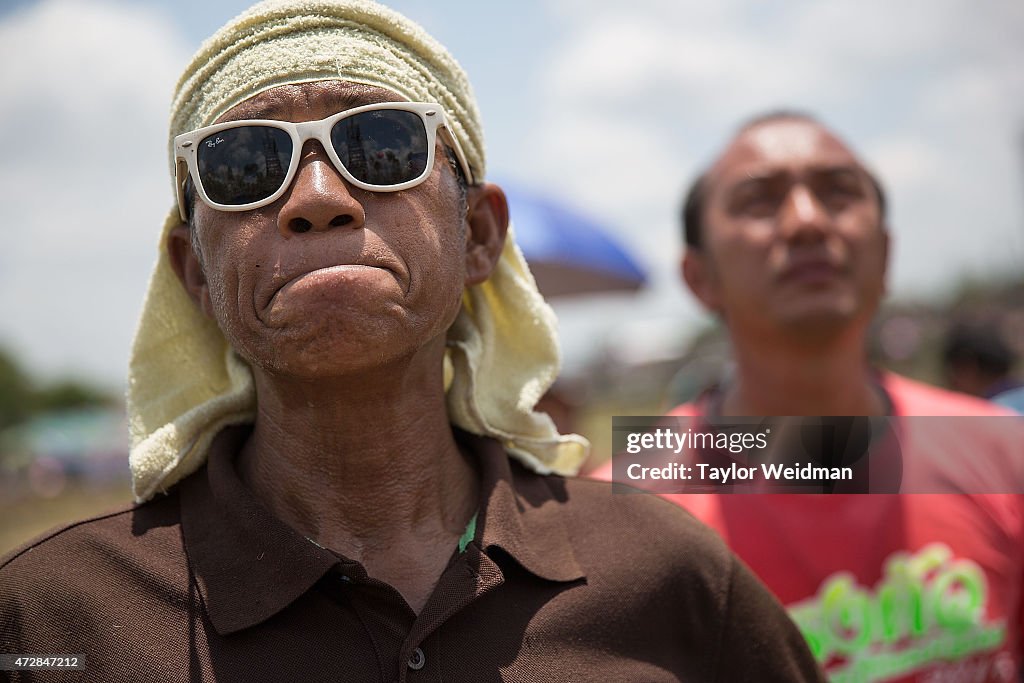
<point x="346" y="579"/>
<point x="417" y="660"/>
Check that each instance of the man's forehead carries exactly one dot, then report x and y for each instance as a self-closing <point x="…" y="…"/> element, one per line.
<point x="785" y="145"/>
<point x="290" y="102"/>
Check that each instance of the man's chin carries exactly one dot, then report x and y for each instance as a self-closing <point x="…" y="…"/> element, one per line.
<point x="820" y="319"/>
<point x="330" y="352"/>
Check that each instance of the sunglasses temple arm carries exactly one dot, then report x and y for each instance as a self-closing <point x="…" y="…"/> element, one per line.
<point x="179" y="185"/>
<point x="450" y="137"/>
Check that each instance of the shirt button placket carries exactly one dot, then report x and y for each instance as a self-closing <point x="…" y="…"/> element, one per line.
<point x="417" y="660"/>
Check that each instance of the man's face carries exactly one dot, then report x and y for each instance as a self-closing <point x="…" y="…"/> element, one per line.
<point x="792" y="234"/>
<point x="331" y="279"/>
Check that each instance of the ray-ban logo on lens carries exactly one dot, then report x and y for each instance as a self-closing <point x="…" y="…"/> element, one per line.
<point x="214" y="143"/>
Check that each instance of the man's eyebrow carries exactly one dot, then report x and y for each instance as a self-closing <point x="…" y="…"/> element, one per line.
<point x="838" y="170"/>
<point x="759" y="177"/>
<point x="271" y="110"/>
<point x="756" y="178"/>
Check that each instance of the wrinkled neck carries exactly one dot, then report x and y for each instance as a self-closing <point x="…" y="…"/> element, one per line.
<point x="359" y="461"/>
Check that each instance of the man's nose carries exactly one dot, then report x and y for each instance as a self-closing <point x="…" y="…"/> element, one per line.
<point x="803" y="215"/>
<point x="319" y="198"/>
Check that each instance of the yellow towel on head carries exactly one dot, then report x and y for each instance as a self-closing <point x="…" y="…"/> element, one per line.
<point x="186" y="384"/>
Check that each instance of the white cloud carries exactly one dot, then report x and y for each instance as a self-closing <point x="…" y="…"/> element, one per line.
<point x="83" y="123"/>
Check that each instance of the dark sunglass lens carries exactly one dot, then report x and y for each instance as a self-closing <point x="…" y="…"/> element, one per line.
<point x="245" y="164"/>
<point x="382" y="147"/>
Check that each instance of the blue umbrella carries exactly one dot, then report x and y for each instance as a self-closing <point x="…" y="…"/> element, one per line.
<point x="568" y="252"/>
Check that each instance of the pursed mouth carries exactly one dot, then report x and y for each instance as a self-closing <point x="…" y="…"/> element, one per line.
<point x="810" y="270"/>
<point x="327" y="272"/>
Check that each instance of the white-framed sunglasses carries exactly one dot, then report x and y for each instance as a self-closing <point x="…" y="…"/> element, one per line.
<point x="243" y="165"/>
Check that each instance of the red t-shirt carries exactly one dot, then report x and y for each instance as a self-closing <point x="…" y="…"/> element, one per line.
<point x="921" y="587"/>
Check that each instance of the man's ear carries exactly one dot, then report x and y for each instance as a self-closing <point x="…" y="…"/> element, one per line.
<point x="698" y="274"/>
<point x="486" y="226"/>
<point x="187" y="267"/>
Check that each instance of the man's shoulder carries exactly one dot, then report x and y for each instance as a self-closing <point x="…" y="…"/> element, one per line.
<point x="94" y="585"/>
<point x="909" y="398"/>
<point x="913" y="398"/>
<point x="600" y="499"/>
<point x="658" y="571"/>
<point x="638" y="525"/>
<point x="125" y="525"/>
<point x="109" y="551"/>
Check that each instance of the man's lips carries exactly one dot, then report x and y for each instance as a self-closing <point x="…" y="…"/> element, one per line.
<point x="346" y="271"/>
<point x="810" y="272"/>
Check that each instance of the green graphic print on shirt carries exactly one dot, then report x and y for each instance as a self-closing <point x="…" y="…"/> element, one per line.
<point x="928" y="608"/>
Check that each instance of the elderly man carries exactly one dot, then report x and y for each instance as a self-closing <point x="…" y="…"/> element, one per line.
<point x="339" y="351"/>
<point x="786" y="241"/>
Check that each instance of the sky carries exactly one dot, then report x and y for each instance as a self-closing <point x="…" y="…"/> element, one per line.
<point x="610" y="107"/>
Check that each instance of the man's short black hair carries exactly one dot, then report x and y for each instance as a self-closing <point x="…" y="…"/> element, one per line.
<point x="696" y="196"/>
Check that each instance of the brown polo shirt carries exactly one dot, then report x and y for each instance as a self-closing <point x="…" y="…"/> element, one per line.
<point x="562" y="581"/>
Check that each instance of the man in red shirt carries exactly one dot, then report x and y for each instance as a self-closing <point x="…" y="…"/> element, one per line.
<point x="787" y="243"/>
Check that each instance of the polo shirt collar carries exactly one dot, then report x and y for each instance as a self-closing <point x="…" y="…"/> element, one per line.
<point x="249" y="565"/>
<point x="521" y="512"/>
